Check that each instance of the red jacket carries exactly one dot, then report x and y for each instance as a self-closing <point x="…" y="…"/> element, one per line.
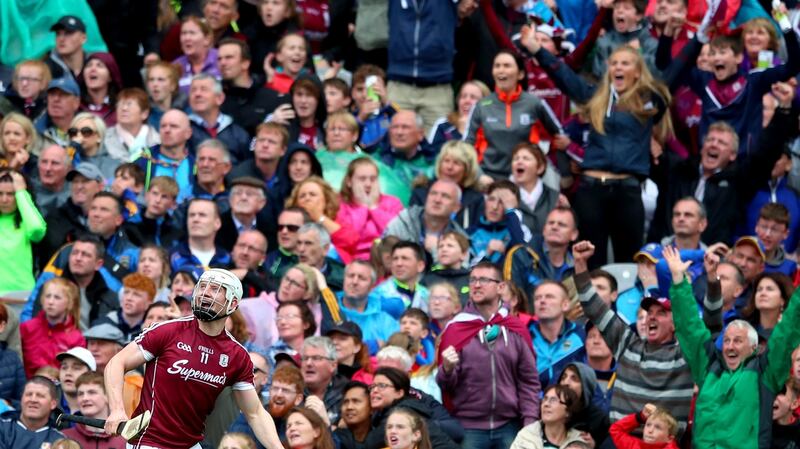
<point x="41" y="342"/>
<point x="620" y="433"/>
<point x="89" y="439"/>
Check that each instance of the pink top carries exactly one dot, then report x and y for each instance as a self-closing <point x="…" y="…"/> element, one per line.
<point x="368" y="223"/>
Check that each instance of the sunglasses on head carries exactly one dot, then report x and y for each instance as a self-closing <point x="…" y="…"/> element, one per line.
<point x="85" y="131"/>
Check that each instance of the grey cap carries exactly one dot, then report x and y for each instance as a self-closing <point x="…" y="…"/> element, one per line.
<point x="107" y="332"/>
<point x="67" y="84"/>
<point x="87" y="170"/>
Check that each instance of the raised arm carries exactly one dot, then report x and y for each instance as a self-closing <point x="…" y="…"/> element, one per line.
<point x="712" y="303"/>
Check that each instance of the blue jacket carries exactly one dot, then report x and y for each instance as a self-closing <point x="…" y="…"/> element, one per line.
<point x="552" y="358"/>
<point x="528" y="265"/>
<point x="12" y="375"/>
<point x="422" y="40"/>
<point x="235" y="138"/>
<point x="375" y="323"/>
<point x="508" y="230"/>
<point x="388" y="295"/>
<point x="375" y="129"/>
<point x="181" y="255"/>
<point x="785" y="195"/>
<point x="14" y="434"/>
<point x="154" y="164"/>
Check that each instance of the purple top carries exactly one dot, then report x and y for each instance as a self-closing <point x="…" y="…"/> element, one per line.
<point x="209" y="67"/>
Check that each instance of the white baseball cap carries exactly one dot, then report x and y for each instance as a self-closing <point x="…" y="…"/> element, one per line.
<point x="81" y="354"/>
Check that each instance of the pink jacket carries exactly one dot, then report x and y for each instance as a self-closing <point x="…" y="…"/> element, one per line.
<point x="368" y="224"/>
<point x="41" y="342"/>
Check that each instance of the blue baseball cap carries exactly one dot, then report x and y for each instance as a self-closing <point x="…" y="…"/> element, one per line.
<point x="66" y="84"/>
<point x="651" y="251"/>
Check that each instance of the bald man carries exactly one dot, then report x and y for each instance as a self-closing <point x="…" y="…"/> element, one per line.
<point x="171" y="158"/>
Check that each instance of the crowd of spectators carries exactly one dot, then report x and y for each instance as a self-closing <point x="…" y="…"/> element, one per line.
<point x="527" y="224"/>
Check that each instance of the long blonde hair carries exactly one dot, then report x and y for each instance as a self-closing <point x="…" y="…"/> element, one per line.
<point x="633" y="100"/>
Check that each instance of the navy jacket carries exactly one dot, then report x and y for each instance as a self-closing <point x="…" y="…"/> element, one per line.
<point x="12" y="375"/>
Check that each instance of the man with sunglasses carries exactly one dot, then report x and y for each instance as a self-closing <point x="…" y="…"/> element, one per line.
<point x="284" y="257"/>
<point x="484" y="346"/>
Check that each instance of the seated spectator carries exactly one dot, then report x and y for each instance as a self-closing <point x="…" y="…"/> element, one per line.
<point x="131" y="135"/>
<point x="280" y="259"/>
<point x="725" y="284"/>
<point x="213" y="164"/>
<point x="498" y="228"/>
<point x="646" y="283"/>
<point x="305" y="428"/>
<point x="128" y="184"/>
<point x="295" y="323"/>
<point x="68" y="57"/>
<point x="261" y="377"/>
<point x="270" y="142"/>
<point x="660" y="429"/>
<point x="19" y="143"/>
<point x="689" y="221"/>
<point x="337" y="95"/>
<point x="559" y="406"/>
<point x="104" y="219"/>
<point x="403" y="289"/>
<point x="290" y="57"/>
<point x="93" y="403"/>
<point x="54" y="328"/>
<point x="405" y="429"/>
<point x="728" y="393"/>
<point x="199" y="54"/>
<point x="102" y="81"/>
<point x="21" y="225"/>
<point x="104" y="341"/>
<point x="236" y="440"/>
<point x="518" y="303"/>
<point x="363" y="206"/>
<point x="767" y="302"/>
<point x="352" y="354"/>
<point x="27" y="93"/>
<point x="12" y="374"/>
<point x="248" y="257"/>
<point x="246" y="100"/>
<point x="748" y="255"/>
<point x="454" y="125"/>
<point x="81" y="263"/>
<point x="209" y="122"/>
<point x="556" y="340"/>
<point x="296" y="166"/>
<point x="50" y="180"/>
<point x="171" y="158"/>
<point x="63" y="101"/>
<point x="74" y="363"/>
<point x="32" y="428"/>
<point x="356" y="414"/>
<point x="593" y="414"/>
<point x="154" y="223"/>
<point x="407" y="151"/>
<point x="363" y="309"/>
<point x="274" y="21"/>
<point x="426" y="224"/>
<point x="452" y="255"/>
<point x="308" y="103"/>
<point x="202" y="224"/>
<point x="319" y="363"/>
<point x="285" y="393"/>
<point x="528" y="165"/>
<point x="371" y="107"/>
<point x="88" y="131"/>
<point x="139" y="292"/>
<point x="785" y="426"/>
<point x="248" y="199"/>
<point x="161" y="83"/>
<point x="313" y="245"/>
<point x="629" y="25"/>
<point x="391" y="390"/>
<point x="443" y="305"/>
<point x="772" y="229"/>
<point x="318" y="199"/>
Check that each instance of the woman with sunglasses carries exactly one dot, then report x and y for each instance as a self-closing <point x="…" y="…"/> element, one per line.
<point x="21" y="224"/>
<point x="88" y="131"/>
<point x="558" y="407"/>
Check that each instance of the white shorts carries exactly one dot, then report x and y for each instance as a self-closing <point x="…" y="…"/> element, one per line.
<point x="131" y="446"/>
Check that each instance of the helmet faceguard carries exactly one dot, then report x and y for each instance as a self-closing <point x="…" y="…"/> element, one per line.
<point x="216" y="295"/>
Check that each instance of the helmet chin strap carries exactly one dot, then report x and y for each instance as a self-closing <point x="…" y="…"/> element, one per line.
<point x="205" y="315"/>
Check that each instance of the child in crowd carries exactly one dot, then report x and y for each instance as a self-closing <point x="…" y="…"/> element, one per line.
<point x="630" y="28"/>
<point x="372" y="107"/>
<point x="786" y="426"/>
<point x="452" y="253"/>
<point x="660" y="429"/>
<point x="337" y="95"/>
<point x="153" y="222"/>
<point x="128" y="184"/>
<point x="415" y="323"/>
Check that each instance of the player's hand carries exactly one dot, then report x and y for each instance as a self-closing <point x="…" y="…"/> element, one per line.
<point x="314" y="403"/>
<point x="581" y="252"/>
<point x="450" y="359"/>
<point x="113" y="421"/>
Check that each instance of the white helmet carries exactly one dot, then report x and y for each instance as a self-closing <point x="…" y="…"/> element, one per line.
<point x="204" y="296"/>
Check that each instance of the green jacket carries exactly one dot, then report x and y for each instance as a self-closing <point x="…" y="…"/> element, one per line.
<point x="15" y="245"/>
<point x="733" y="408"/>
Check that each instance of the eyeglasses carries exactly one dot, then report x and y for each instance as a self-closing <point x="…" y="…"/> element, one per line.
<point x="767" y="230"/>
<point x="293" y="283"/>
<point x="553" y="400"/>
<point x="288" y="227"/>
<point x="380" y="386"/>
<point x="314" y="358"/>
<point x="291" y="316"/>
<point x="85" y="132"/>
<point x="273" y="390"/>
<point x="483" y="281"/>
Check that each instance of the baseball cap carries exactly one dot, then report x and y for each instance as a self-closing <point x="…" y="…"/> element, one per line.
<point x="106" y="332"/>
<point x="754" y="242"/>
<point x="651" y="300"/>
<point x="651" y="252"/>
<point x="347" y="328"/>
<point x="69" y="23"/>
<point x="66" y="84"/>
<point x="294" y="359"/>
<point x="81" y="354"/>
<point x="87" y="170"/>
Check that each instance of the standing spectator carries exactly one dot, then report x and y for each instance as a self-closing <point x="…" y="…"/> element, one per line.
<point x="507" y="117"/>
<point x="556" y="340"/>
<point x="319" y="363"/>
<point x="421" y="63"/>
<point x="63" y="102"/>
<point x="199" y="55"/>
<point x="474" y="342"/>
<point x="161" y="83"/>
<point x="528" y="165"/>
<point x="93" y="403"/>
<point x="278" y="18"/>
<point x="737" y="385"/>
<point x="248" y="199"/>
<point x="283" y="257"/>
<point x="667" y="382"/>
<point x="27" y="94"/>
<point x="20" y="144"/>
<point x="55" y="328"/>
<point x="126" y="140"/>
<point x="630" y="28"/>
<point x="102" y="81"/>
<point x="208" y="122"/>
<point x="270" y="143"/>
<point x="50" y="180"/>
<point x="68" y="58"/>
<point x="21" y="224"/>
<point x="452" y="253"/>
<point x="363" y="206"/>
<point x="74" y="363"/>
<point x="453" y="126"/>
<point x="139" y="292"/>
<point x="403" y="289"/>
<point x="88" y="131"/>
<point x="556" y="426"/>
<point x="32" y="428"/>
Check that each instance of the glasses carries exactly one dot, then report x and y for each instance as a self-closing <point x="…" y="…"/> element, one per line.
<point x="85" y="132"/>
<point x="314" y="358"/>
<point x="28" y="79"/>
<point x="553" y="400"/>
<point x="286" y="317"/>
<point x="380" y="386"/>
<point x="767" y="230"/>
<point x="273" y="390"/>
<point x="483" y="281"/>
<point x="288" y="227"/>
<point x="293" y="283"/>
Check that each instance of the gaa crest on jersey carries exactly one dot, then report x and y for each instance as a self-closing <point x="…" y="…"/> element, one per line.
<point x="223" y="360"/>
